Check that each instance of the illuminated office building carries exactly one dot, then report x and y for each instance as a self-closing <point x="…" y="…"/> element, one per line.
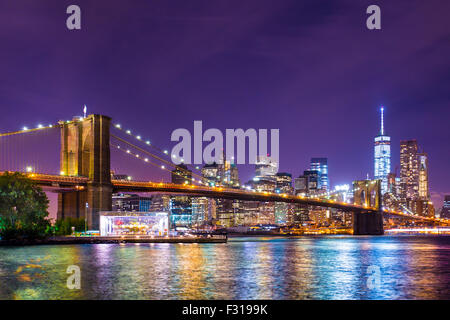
<point x="211" y="174"/>
<point x="321" y="166"/>
<point x="308" y="183"/>
<point x="382" y="163"/>
<point x="414" y="187"/>
<point x="180" y="208"/>
<point x="409" y="170"/>
<point x="445" y="213"/>
<point x="130" y="202"/>
<point x="424" y="192"/>
<point x="283" y="210"/>
<point x="222" y="212"/>
<point x="265" y="166"/>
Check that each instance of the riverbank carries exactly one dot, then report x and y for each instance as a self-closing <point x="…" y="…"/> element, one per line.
<point x="113" y="239"/>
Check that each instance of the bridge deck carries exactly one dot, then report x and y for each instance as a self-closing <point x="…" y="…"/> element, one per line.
<point x="79" y="183"/>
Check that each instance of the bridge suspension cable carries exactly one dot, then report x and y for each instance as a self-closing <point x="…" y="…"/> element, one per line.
<point x="28" y="150"/>
<point x="139" y="138"/>
<point x="155" y="156"/>
<point x="147" y="161"/>
<point x="26" y="130"/>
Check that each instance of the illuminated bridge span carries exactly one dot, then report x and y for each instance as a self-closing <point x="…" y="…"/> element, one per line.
<point x="85" y="177"/>
<point x="80" y="183"/>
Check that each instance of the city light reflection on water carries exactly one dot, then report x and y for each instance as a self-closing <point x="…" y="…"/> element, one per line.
<point x="324" y="267"/>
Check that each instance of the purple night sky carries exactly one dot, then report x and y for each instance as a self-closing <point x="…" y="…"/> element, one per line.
<point x="310" y="68"/>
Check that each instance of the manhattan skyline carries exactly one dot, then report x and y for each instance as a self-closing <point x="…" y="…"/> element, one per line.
<point x="312" y="70"/>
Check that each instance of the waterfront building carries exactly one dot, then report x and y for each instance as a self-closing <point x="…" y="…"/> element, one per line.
<point x="130" y="202"/>
<point x="320" y="217"/>
<point x="201" y="211"/>
<point x="321" y="166"/>
<point x="160" y="202"/>
<point x="180" y="208"/>
<point x="118" y="223"/>
<point x="283" y="211"/>
<point x="382" y="156"/>
<point x="445" y="212"/>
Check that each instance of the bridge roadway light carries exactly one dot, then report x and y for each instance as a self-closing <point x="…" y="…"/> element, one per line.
<point x="25" y="128"/>
<point x="40" y="126"/>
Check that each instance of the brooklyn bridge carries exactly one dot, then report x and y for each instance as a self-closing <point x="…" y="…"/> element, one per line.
<point x="85" y="184"/>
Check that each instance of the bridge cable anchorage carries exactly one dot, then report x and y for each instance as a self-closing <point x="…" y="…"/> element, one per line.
<point x="147" y="142"/>
<point x="158" y="158"/>
<point x="136" y="156"/>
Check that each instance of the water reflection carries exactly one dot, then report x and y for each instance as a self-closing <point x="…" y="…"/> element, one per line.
<point x="333" y="267"/>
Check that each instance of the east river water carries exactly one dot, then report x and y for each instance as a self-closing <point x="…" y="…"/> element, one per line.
<point x="322" y="267"/>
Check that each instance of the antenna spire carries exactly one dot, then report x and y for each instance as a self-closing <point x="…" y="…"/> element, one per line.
<point x="84" y="111"/>
<point x="382" y="120"/>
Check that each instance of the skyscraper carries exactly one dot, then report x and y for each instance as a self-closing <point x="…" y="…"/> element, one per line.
<point x="424" y="192"/>
<point x="414" y="189"/>
<point x="283" y="210"/>
<point x="265" y="166"/>
<point x="409" y="170"/>
<point x="382" y="163"/>
<point x="321" y="166"/>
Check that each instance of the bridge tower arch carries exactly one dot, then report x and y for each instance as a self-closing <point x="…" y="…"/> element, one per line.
<point x="367" y="193"/>
<point x="85" y="152"/>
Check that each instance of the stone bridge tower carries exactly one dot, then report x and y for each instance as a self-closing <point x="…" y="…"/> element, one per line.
<point x="368" y="193"/>
<point x="85" y="152"/>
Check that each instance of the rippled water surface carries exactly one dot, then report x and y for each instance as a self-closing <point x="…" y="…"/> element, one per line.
<point x="329" y="267"/>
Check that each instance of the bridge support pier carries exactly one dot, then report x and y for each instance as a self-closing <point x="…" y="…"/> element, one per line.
<point x="73" y="204"/>
<point x="368" y="223"/>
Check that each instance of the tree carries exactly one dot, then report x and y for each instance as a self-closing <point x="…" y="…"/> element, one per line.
<point x="64" y="226"/>
<point x="23" y="208"/>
